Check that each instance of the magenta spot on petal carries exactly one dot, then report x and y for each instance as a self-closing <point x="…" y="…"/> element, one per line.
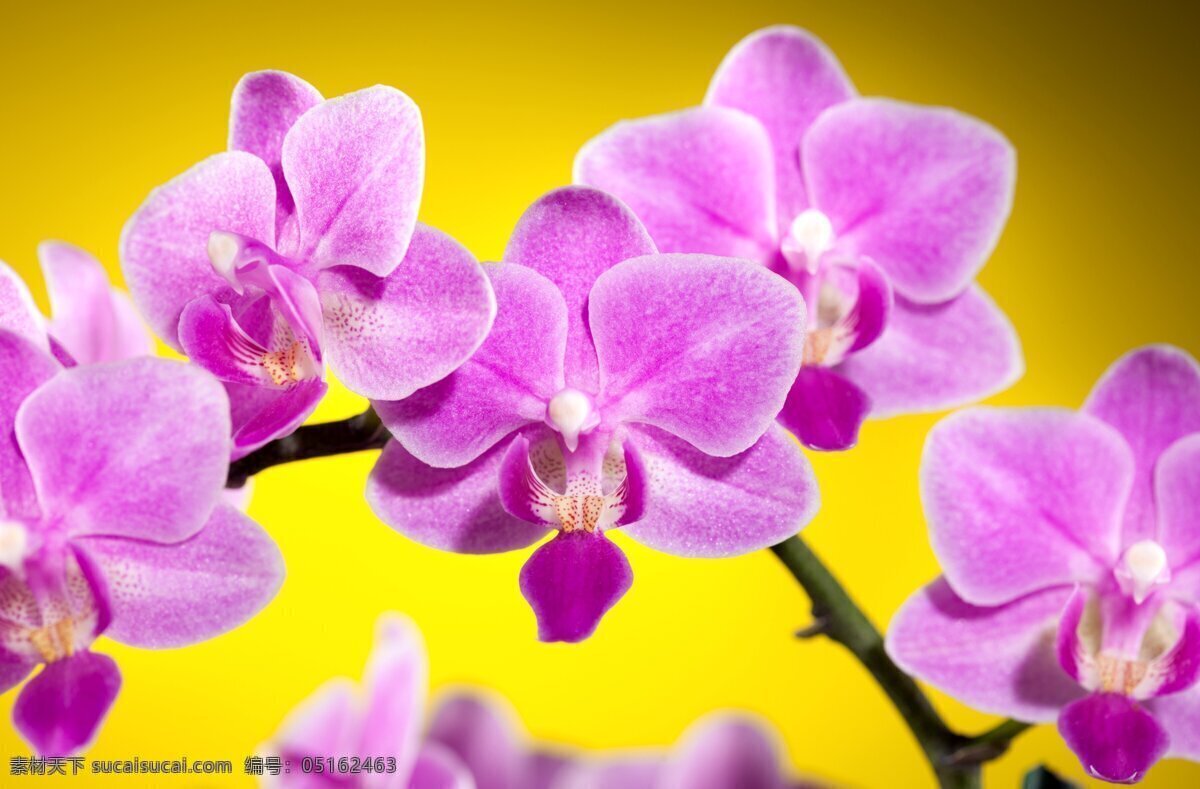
<point x="572" y="581"/>
<point x="1115" y="738"/>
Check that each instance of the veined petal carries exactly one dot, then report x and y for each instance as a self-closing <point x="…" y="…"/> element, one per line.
<point x="180" y="594"/>
<point x="505" y="384"/>
<point x="724" y="751"/>
<point x="388" y="337"/>
<point x="572" y="581"/>
<point x="60" y="710"/>
<point x="700" y="346"/>
<point x="924" y="192"/>
<point x="1019" y="500"/>
<point x="572" y="236"/>
<point x="164" y="246"/>
<point x="18" y="312"/>
<point x="1177" y="486"/>
<point x="453" y="509"/>
<point x="699" y="505"/>
<point x="396" y="682"/>
<point x="1152" y="396"/>
<point x="138" y="448"/>
<point x="261" y="414"/>
<point x="700" y="180"/>
<point x="785" y="77"/>
<point x="1115" y="738"/>
<point x="933" y="357"/>
<point x="94" y="322"/>
<point x="998" y="659"/>
<point x="23" y="368"/>
<point x="211" y="338"/>
<point x="265" y="106"/>
<point x="356" y="169"/>
<point x="824" y="409"/>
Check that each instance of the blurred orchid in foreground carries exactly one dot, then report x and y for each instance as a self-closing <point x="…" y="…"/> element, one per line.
<point x="1070" y="544"/>
<point x="303" y="241"/>
<point x="880" y="213"/>
<point x="618" y="387"/>
<point x="111" y="522"/>
<point x="721" y="751"/>
<point x="92" y="321"/>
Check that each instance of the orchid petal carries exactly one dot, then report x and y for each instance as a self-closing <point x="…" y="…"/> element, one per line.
<point x="1071" y="651"/>
<point x="1179" y="668"/>
<point x="504" y="385"/>
<point x="388" y="337"/>
<point x="700" y="346"/>
<point x="18" y="312"/>
<point x="924" y="192"/>
<point x="785" y="77"/>
<point x="180" y="594"/>
<point x="572" y="236"/>
<point x="211" y="338"/>
<point x="639" y="771"/>
<point x="939" y="356"/>
<point x="266" y="104"/>
<point x="1115" y="738"/>
<point x="453" y="509"/>
<point x="824" y="409"/>
<point x="164" y="246"/>
<point x="60" y="710"/>
<point x="1179" y="714"/>
<point x="262" y="414"/>
<point x="138" y="448"/>
<point x="437" y="768"/>
<point x="572" y="581"/>
<point x="1177" y="485"/>
<point x="91" y="320"/>
<point x="1018" y="500"/>
<point x="325" y="724"/>
<point x="23" y="368"/>
<point x="701" y="180"/>
<point x="356" y="168"/>
<point x="699" y="505"/>
<point x="483" y="739"/>
<point x="396" y="681"/>
<point x="1000" y="659"/>
<point x="725" y="751"/>
<point x="1152" y="396"/>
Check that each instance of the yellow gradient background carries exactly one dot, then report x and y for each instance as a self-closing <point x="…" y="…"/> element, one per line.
<point x="102" y="102"/>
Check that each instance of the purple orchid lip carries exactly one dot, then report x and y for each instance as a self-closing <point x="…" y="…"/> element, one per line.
<point x="784" y="164"/>
<point x="594" y="404"/>
<point x="301" y="244"/>
<point x="1069" y="542"/>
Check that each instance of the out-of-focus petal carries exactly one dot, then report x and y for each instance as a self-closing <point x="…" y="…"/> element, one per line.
<point x="932" y="357"/>
<point x="438" y="768"/>
<point x="824" y="409"/>
<point x="700" y="180"/>
<point x="137" y="448"/>
<point x="327" y="723"/>
<point x="1179" y="715"/>
<point x="1115" y="738"/>
<point x="174" y="595"/>
<point x="572" y="236"/>
<point x="396" y="682"/>
<point x="700" y="346"/>
<point x="18" y="312"/>
<point x="23" y="368"/>
<point x="164" y="246"/>
<point x="262" y="414"/>
<point x="387" y="337"/>
<point x="1000" y="659"/>
<point x="785" y="77"/>
<point x="1018" y="500"/>
<point x="699" y="505"/>
<point x="572" y="581"/>
<point x="639" y="771"/>
<point x="922" y="191"/>
<point x="265" y="106"/>
<point x="505" y="384"/>
<point x="453" y="509"/>
<point x="1152" y="396"/>
<point x="60" y="710"/>
<point x="91" y="320"/>
<point x="356" y="168"/>
<point x="724" y="751"/>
